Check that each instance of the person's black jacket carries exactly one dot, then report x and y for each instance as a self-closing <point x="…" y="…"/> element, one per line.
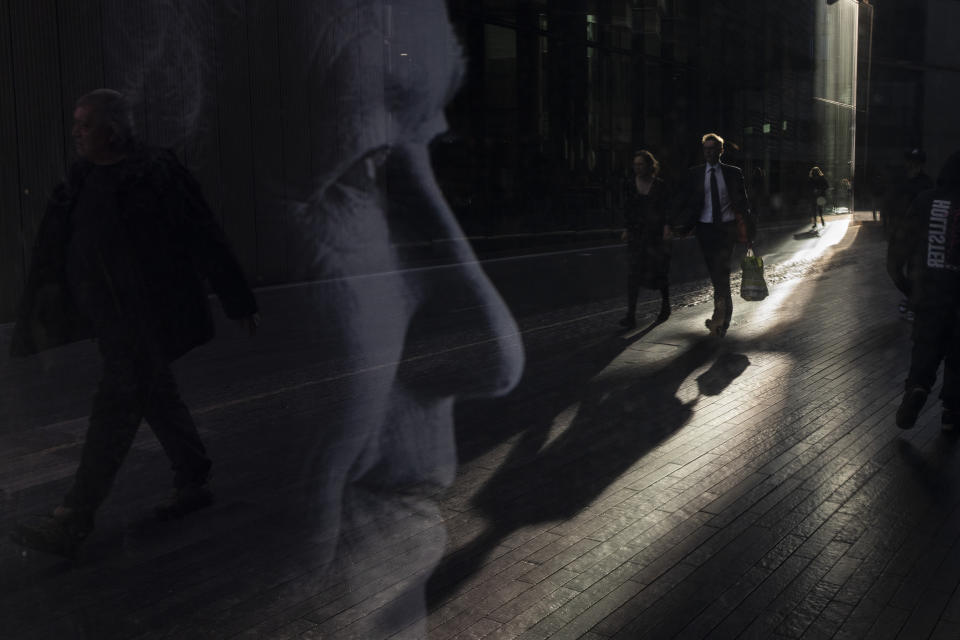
<point x="895" y="205"/>
<point x="689" y="204"/>
<point x="644" y="216"/>
<point x="818" y="186"/>
<point x="923" y="257"/>
<point x="173" y="243"/>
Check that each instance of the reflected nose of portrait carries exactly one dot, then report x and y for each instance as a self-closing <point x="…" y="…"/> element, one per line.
<point x="486" y="358"/>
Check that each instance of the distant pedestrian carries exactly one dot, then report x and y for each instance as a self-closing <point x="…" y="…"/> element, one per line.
<point x="923" y="259"/>
<point x="645" y="209"/>
<point x="713" y="202"/>
<point x="817" y="188"/>
<point x="121" y="255"/>
<point x="899" y="198"/>
<point x="876" y="193"/>
<point x="846" y="188"/>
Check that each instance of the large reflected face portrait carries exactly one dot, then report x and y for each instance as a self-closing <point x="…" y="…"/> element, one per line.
<point x="380" y="75"/>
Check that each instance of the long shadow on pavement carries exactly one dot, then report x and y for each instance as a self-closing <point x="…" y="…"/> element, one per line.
<point x="879" y="507"/>
<point x="621" y="417"/>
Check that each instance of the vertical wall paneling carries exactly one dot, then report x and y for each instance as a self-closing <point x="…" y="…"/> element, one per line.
<point x="233" y="82"/>
<point x="266" y="142"/>
<point x="123" y="56"/>
<point x="295" y="128"/>
<point x="11" y="239"/>
<point x="201" y="100"/>
<point x="81" y="57"/>
<point x="326" y="98"/>
<point x="162" y="97"/>
<point x="39" y="107"/>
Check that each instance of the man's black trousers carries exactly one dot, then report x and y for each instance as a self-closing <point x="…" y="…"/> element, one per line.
<point x="136" y="384"/>
<point x="936" y="338"/>
<point x="716" y="243"/>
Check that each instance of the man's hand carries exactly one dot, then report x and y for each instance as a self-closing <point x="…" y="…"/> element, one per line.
<point x="667" y="232"/>
<point x="250" y="323"/>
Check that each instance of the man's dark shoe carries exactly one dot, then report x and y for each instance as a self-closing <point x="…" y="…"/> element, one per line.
<point x="61" y="533"/>
<point x="184" y="500"/>
<point x="717" y="327"/>
<point x="910" y="407"/>
<point x="628" y="322"/>
<point x="948" y="421"/>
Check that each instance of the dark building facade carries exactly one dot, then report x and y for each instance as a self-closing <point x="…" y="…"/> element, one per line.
<point x="548" y="102"/>
<point x="560" y="94"/>
<point x="914" y="85"/>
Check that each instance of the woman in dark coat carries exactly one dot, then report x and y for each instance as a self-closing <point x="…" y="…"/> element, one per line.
<point x="645" y="208"/>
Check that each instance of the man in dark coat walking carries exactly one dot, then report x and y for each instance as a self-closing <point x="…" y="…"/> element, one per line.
<point x="923" y="260"/>
<point x="121" y="256"/>
<point x="713" y="203"/>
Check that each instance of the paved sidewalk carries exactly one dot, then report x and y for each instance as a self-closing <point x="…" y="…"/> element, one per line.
<point x="658" y="484"/>
<point x="683" y="488"/>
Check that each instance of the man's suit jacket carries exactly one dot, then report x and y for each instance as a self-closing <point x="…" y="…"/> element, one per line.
<point x="689" y="206"/>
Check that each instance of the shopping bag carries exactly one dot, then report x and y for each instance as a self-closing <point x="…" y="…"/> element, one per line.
<point x="752" y="285"/>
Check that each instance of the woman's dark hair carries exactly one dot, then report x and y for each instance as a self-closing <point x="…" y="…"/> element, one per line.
<point x="646" y="155"/>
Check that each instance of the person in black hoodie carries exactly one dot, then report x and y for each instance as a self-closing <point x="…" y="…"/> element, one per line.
<point x="923" y="260"/>
<point x="121" y="256"/>
<point x="899" y="198"/>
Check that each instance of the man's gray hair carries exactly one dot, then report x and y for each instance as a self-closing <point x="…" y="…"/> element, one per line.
<point x="113" y="110"/>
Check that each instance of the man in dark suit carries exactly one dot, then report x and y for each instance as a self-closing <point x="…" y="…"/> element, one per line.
<point x="714" y="204"/>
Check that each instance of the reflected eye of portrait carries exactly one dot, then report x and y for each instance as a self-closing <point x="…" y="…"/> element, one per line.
<point x="365" y="176"/>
